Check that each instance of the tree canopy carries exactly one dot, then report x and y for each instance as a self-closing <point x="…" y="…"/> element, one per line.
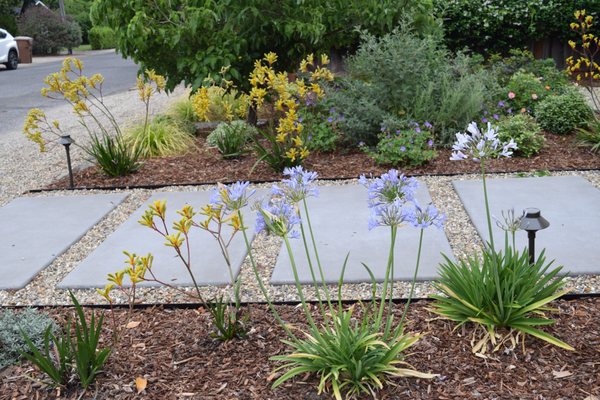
<point x="189" y="40"/>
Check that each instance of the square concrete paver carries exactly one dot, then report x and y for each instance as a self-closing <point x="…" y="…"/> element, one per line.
<point x="36" y="230"/>
<point x="570" y="203"/>
<point x="208" y="265"/>
<point x="340" y="222"/>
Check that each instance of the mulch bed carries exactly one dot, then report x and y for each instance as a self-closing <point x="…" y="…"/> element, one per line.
<point x="205" y="165"/>
<point x="173" y="351"/>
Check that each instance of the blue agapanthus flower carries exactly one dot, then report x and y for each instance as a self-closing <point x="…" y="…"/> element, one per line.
<point x="279" y="217"/>
<point x="389" y="198"/>
<point x="233" y="196"/>
<point x="299" y="185"/>
<point x="425" y="217"/>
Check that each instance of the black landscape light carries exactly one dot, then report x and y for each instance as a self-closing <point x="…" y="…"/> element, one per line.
<point x="533" y="222"/>
<point x="66" y="141"/>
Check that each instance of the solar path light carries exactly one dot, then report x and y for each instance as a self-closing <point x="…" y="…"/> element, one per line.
<point x="66" y="141"/>
<point x="533" y="222"/>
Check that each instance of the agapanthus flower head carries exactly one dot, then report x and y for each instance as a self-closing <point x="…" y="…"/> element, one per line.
<point x="389" y="187"/>
<point x="233" y="196"/>
<point x="395" y="213"/>
<point x="277" y="216"/>
<point x="299" y="185"/>
<point x="425" y="217"/>
<point x="510" y="222"/>
<point x="389" y="199"/>
<point x="480" y="145"/>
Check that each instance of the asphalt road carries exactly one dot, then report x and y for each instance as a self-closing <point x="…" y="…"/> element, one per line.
<point x="20" y="89"/>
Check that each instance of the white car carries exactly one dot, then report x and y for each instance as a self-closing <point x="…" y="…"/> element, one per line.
<point x="9" y="52"/>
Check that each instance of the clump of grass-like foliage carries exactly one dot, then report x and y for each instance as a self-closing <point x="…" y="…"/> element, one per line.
<point x="164" y="136"/>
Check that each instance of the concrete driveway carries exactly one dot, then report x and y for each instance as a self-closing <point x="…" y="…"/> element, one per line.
<point x="20" y="89"/>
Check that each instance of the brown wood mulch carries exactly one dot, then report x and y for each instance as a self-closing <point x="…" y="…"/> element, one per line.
<point x="173" y="351"/>
<point x="205" y="165"/>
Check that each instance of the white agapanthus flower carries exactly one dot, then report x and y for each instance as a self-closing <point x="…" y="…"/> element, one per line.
<point x="480" y="145"/>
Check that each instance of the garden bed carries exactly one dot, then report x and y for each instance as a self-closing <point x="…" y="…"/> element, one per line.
<point x="205" y="165"/>
<point x="172" y="349"/>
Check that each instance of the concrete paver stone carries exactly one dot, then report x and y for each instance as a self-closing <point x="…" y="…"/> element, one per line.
<point x="36" y="230"/>
<point x="570" y="203"/>
<point x="340" y="222"/>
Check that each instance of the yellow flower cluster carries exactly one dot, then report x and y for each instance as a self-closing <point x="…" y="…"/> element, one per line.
<point x="584" y="67"/>
<point x="287" y="96"/>
<point x="35" y="125"/>
<point x="135" y="270"/>
<point x="152" y="83"/>
<point x="219" y="102"/>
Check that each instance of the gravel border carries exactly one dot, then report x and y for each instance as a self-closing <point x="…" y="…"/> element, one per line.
<point x="462" y="236"/>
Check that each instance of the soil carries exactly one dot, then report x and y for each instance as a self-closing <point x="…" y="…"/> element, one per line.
<point x="173" y="350"/>
<point x="205" y="165"/>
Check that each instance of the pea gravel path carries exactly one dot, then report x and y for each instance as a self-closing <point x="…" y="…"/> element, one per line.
<point x="460" y="231"/>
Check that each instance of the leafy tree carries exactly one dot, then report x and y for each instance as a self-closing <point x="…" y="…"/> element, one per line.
<point x="48" y="30"/>
<point x="7" y="15"/>
<point x="189" y="40"/>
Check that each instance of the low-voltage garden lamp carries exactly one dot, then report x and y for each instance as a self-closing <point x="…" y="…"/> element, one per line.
<point x="533" y="222"/>
<point x="66" y="141"/>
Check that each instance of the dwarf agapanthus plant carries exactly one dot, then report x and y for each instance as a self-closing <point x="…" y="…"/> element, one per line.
<point x="500" y="289"/>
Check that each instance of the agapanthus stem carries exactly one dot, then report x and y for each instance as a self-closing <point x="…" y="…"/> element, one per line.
<point x="261" y="285"/>
<point x="412" y="286"/>
<point x="386" y="279"/>
<point x="298" y="285"/>
<point x="312" y="273"/>
<point x="487" y="206"/>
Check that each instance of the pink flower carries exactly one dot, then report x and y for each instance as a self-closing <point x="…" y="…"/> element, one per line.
<point x="511" y="95"/>
<point x="534" y="96"/>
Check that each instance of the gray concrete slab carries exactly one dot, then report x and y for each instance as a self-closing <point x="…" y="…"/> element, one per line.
<point x="36" y="230"/>
<point x="340" y="222"/>
<point x="208" y="265"/>
<point x="570" y="203"/>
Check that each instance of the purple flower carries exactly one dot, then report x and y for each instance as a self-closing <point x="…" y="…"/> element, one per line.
<point x="484" y="120"/>
<point x="300" y="119"/>
<point x="232" y="197"/>
<point x="485" y="112"/>
<point x="391" y="214"/>
<point x="418" y="130"/>
<point x="430" y="143"/>
<point x="501" y="104"/>
<point x="278" y="217"/>
<point x="427" y="125"/>
<point x="398" y="132"/>
<point x="361" y="144"/>
<point x="389" y="187"/>
<point x="402" y="148"/>
<point x="332" y="110"/>
<point x="416" y="124"/>
<point x="428" y="216"/>
<point x="496" y="117"/>
<point x="330" y="119"/>
<point x="509" y="111"/>
<point x="299" y="185"/>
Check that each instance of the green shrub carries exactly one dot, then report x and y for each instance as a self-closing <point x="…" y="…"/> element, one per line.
<point x="320" y="128"/>
<point x="102" y="37"/>
<point x="49" y="32"/>
<point x="231" y="138"/>
<point x="163" y="137"/>
<point x="496" y="26"/>
<point x="523" y="129"/>
<point x="415" y="78"/>
<point x="406" y="147"/>
<point x="524" y="90"/>
<point x="564" y="113"/>
<point x="519" y="60"/>
<point x="504" y="290"/>
<point x="32" y="322"/>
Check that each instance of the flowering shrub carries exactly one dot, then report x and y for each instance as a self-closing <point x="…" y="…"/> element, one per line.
<point x="287" y="143"/>
<point x="500" y="289"/>
<point x="525" y="91"/>
<point x="564" y="113"/>
<point x="321" y="127"/>
<point x="585" y="68"/>
<point x="85" y="96"/>
<point x="404" y="147"/>
<point x="526" y="133"/>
